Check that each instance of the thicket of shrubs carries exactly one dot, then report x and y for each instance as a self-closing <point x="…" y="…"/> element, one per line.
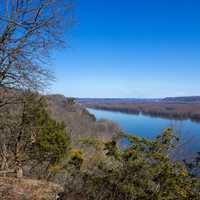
<point x="91" y="167"/>
<point x="144" y="170"/>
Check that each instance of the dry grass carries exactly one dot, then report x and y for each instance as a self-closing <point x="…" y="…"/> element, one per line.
<point x="27" y="189"/>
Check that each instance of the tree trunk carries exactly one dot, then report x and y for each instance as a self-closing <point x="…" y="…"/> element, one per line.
<point x="4" y="164"/>
<point x="19" y="172"/>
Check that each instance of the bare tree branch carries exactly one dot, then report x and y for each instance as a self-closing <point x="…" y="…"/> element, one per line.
<point x="29" y="31"/>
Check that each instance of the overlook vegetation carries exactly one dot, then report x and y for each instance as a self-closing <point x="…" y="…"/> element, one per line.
<point x="53" y="138"/>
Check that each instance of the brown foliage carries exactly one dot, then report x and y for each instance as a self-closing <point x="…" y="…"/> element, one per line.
<point x="27" y="189"/>
<point x="78" y="120"/>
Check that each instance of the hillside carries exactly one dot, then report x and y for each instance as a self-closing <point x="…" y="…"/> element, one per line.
<point x="78" y="120"/>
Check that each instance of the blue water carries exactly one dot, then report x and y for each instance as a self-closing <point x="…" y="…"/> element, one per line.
<point x="149" y="127"/>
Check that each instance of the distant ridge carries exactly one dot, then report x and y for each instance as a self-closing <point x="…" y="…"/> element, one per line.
<point x="183" y="99"/>
<point x="116" y="100"/>
<point x="186" y="99"/>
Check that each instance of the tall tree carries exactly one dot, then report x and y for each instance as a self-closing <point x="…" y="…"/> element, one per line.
<point x="29" y="29"/>
<point x="28" y="133"/>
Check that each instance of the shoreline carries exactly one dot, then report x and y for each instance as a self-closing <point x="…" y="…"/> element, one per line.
<point x="170" y="115"/>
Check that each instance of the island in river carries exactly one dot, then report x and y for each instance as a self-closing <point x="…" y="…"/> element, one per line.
<point x="171" y="107"/>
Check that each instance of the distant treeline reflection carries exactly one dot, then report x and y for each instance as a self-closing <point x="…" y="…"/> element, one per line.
<point x="178" y="111"/>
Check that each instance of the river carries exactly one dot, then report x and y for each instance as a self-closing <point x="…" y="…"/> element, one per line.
<point x="149" y="127"/>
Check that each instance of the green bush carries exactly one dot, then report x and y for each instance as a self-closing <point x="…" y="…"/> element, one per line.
<point x="51" y="143"/>
<point x="143" y="171"/>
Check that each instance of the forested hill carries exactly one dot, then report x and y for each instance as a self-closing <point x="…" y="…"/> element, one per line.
<point x="78" y="120"/>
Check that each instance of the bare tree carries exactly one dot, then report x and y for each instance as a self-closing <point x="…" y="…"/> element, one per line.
<point x="29" y="29"/>
<point x="16" y="130"/>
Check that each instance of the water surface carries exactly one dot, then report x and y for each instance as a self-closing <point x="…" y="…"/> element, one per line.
<point x="150" y="127"/>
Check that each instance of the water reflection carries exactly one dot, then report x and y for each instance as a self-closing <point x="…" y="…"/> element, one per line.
<point x="150" y="127"/>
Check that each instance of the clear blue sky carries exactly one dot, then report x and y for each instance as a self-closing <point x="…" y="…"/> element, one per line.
<point x="131" y="48"/>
